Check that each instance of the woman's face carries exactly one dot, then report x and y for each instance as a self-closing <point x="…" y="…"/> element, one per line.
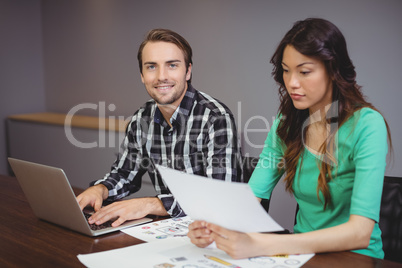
<point x="306" y="80"/>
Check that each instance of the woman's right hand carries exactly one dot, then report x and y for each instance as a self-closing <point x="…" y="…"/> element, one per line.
<point x="199" y="234"/>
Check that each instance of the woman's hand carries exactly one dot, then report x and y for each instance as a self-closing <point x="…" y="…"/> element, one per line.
<point x="199" y="234"/>
<point x="354" y="234"/>
<point x="238" y="245"/>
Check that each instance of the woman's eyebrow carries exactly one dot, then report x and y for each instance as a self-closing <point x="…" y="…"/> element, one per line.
<point x="301" y="64"/>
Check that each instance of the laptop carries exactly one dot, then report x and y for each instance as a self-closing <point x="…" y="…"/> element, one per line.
<point x="52" y="199"/>
<point x="229" y="204"/>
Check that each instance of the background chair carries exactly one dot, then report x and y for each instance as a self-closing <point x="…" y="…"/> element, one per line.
<point x="249" y="164"/>
<point x="391" y="218"/>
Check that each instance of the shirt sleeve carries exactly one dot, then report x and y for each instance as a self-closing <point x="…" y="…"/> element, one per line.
<point x="223" y="153"/>
<point x="267" y="174"/>
<point x="369" y="156"/>
<point x="121" y="180"/>
<point x="172" y="207"/>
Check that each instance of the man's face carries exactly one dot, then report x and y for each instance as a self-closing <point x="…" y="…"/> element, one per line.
<point x="164" y="73"/>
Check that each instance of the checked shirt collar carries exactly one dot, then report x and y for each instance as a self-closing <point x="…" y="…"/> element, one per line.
<point x="182" y="112"/>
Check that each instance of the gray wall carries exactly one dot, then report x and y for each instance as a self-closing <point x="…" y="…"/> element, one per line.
<point x="21" y="64"/>
<point x="62" y="53"/>
<point x="90" y="53"/>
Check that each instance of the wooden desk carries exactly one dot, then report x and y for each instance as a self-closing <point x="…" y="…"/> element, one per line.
<point x="26" y="241"/>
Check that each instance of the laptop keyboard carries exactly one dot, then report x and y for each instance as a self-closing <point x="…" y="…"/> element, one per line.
<point x="95" y="227"/>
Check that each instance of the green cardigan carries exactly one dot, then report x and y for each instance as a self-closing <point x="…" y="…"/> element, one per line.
<point x="356" y="188"/>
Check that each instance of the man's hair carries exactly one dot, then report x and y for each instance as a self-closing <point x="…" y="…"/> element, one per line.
<point x="169" y="36"/>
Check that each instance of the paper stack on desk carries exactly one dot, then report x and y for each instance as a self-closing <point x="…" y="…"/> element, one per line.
<point x="170" y="228"/>
<point x="181" y="253"/>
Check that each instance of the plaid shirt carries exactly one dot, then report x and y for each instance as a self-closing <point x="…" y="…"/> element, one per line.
<point x="201" y="141"/>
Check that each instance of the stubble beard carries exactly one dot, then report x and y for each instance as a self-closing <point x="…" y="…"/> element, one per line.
<point x="173" y="98"/>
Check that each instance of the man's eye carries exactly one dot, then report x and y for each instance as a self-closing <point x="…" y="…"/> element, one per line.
<point x="173" y="65"/>
<point x="150" y="67"/>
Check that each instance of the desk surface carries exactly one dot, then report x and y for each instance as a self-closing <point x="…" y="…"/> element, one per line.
<point x="26" y="241"/>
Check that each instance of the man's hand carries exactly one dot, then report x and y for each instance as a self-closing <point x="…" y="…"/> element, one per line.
<point x="132" y="209"/>
<point x="93" y="196"/>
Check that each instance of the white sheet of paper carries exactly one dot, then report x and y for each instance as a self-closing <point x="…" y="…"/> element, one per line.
<point x="172" y="228"/>
<point x="181" y="253"/>
<point x="228" y="204"/>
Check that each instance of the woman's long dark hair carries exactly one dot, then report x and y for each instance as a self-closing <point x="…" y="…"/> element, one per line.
<point x="321" y="40"/>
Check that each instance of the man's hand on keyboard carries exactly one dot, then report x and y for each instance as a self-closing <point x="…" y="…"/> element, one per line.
<point x="131" y="209"/>
<point x="93" y="196"/>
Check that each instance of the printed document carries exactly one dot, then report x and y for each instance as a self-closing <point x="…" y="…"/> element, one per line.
<point x="229" y="204"/>
<point x="181" y="253"/>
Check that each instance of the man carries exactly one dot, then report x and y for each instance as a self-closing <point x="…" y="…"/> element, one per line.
<point x="180" y="128"/>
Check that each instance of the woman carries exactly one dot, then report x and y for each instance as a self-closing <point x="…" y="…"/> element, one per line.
<point x="328" y="142"/>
